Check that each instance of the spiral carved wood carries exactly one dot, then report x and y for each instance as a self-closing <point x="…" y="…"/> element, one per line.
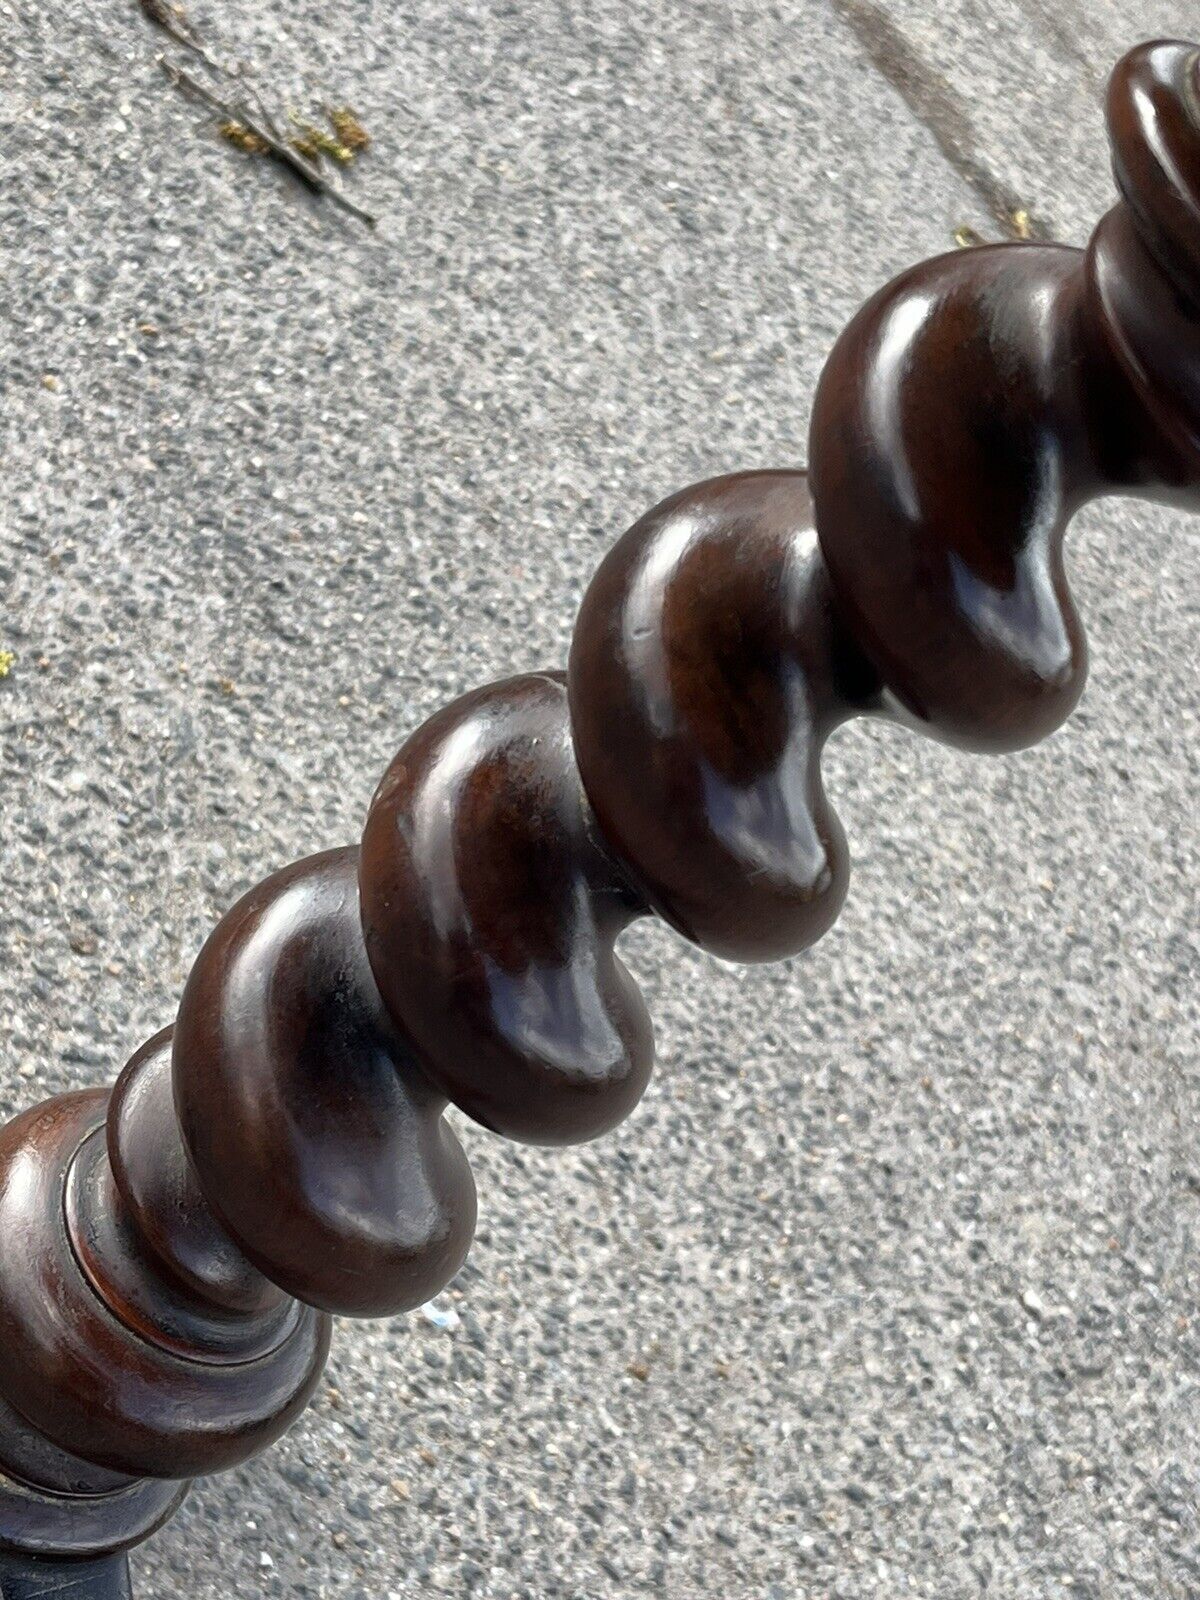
<point x="172" y="1251"/>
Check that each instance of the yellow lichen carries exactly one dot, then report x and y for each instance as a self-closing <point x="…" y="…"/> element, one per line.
<point x="7" y="661"/>
<point x="349" y="129"/>
<point x="323" y="142"/>
<point x="243" y="138"/>
<point x="308" y="148"/>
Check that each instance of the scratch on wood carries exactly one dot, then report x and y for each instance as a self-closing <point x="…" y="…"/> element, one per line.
<point x="34" y="1578"/>
<point x="933" y="101"/>
<point x="55" y="1588"/>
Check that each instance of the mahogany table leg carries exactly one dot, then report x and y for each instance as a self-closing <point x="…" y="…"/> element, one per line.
<point x="172" y="1251"/>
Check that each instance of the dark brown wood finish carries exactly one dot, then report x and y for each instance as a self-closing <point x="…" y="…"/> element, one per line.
<point x="490" y="910"/>
<point x="975" y="403"/>
<point x="316" y="1136"/>
<point x="170" y="1254"/>
<point x="708" y="666"/>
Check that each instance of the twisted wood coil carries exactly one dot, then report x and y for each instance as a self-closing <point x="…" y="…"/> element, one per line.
<point x="172" y="1251"/>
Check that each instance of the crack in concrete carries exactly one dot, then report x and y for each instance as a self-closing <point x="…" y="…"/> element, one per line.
<point x="936" y="105"/>
<point x="1048" y="15"/>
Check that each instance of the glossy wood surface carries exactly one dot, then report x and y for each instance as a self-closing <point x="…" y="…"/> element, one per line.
<point x="80" y="1373"/>
<point x="170" y="1254"/>
<point x="490" y="909"/>
<point x="318" y="1140"/>
<point x="943" y="478"/>
<point x="161" y="1195"/>
<point x="708" y="666"/>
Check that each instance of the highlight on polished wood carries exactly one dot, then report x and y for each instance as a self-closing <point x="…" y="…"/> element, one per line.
<point x="174" y="1250"/>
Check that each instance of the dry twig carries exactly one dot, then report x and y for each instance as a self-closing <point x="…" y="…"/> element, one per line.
<point x="263" y="129"/>
<point x="173" y="22"/>
<point x="255" y="131"/>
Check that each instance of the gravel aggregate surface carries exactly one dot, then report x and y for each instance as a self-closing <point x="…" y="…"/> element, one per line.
<point x="888" y="1288"/>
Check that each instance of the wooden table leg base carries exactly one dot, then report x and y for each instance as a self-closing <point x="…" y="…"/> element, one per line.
<point x="34" y="1578"/>
<point x="50" y="1525"/>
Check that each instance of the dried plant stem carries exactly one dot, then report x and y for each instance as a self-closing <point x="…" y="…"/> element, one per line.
<point x="264" y="128"/>
<point x="184" y="36"/>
